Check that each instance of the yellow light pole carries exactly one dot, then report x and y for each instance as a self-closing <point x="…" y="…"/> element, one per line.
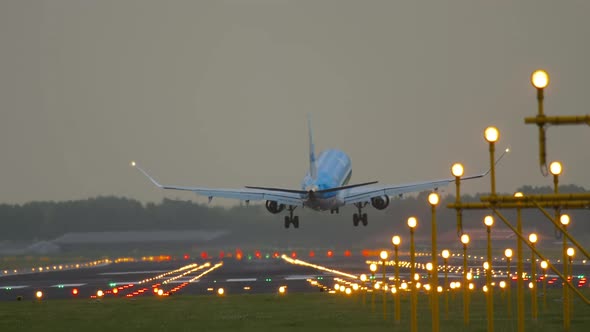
<point x="445" y="255"/>
<point x="570" y="277"/>
<point x="508" y="254"/>
<point x="519" y="269"/>
<point x="544" y="266"/>
<point x="489" y="222"/>
<point x="364" y="283"/>
<point x="491" y="134"/>
<point x="383" y="255"/>
<point x="396" y="240"/>
<point x="429" y="268"/>
<point x="412" y="223"/>
<point x="434" y="199"/>
<point x="564" y="219"/>
<point x="457" y="171"/>
<point x="465" y="241"/>
<point x="540" y="80"/>
<point x="373" y="268"/>
<point x="533" y="240"/>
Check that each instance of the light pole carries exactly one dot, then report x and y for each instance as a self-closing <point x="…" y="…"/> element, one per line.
<point x="519" y="269"/>
<point x="429" y="268"/>
<point x="383" y="255"/>
<point x="564" y="219"/>
<point x="373" y="268"/>
<point x="508" y="254"/>
<point x="533" y="239"/>
<point x="457" y="171"/>
<point x="570" y="255"/>
<point x="489" y="222"/>
<point x="412" y="223"/>
<point x="445" y="255"/>
<point x="491" y="134"/>
<point x="540" y="81"/>
<point x="434" y="199"/>
<point x="465" y="241"/>
<point x="364" y="283"/>
<point x="544" y="266"/>
<point x="396" y="240"/>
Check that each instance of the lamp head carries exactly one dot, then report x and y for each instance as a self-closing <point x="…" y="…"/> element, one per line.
<point x="508" y="253"/>
<point x="396" y="240"/>
<point x="540" y="79"/>
<point x="491" y="134"/>
<point x="383" y="255"/>
<point x="555" y="168"/>
<point x="457" y="170"/>
<point x="465" y="239"/>
<point x="518" y="194"/>
<point x="486" y="265"/>
<point x="429" y="266"/>
<point x="488" y="221"/>
<point x="533" y="238"/>
<point x="433" y="199"/>
<point x="412" y="222"/>
<point x="446" y="254"/>
<point x="564" y="219"/>
<point x="544" y="265"/>
<point x="363" y="277"/>
<point x="373" y="267"/>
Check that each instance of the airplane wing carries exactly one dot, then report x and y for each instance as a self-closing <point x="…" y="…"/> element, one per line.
<point x="244" y="194"/>
<point x="365" y="194"/>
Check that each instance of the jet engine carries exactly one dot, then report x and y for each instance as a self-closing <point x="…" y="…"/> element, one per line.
<point x="274" y="207"/>
<point x="380" y="202"/>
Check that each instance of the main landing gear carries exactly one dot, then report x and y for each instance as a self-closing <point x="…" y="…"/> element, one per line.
<point x="360" y="216"/>
<point x="290" y="219"/>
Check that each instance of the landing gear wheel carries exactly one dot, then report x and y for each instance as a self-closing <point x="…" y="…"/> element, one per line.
<point x="287" y="221"/>
<point x="365" y="219"/>
<point x="296" y="221"/>
<point x="355" y="220"/>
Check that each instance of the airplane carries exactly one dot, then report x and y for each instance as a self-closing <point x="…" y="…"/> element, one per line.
<point x="324" y="187"/>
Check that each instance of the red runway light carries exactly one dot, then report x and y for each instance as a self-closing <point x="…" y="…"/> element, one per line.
<point x="330" y="253"/>
<point x="347" y="253"/>
<point x="221" y="254"/>
<point x="186" y="256"/>
<point x="311" y="254"/>
<point x="293" y="254"/>
<point x="75" y="291"/>
<point x="257" y="254"/>
<point x="204" y="255"/>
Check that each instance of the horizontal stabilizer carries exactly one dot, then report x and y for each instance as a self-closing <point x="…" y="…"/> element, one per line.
<point x="303" y="192"/>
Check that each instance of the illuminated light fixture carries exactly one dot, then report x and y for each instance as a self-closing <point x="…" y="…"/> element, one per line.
<point x="160" y="292"/>
<point x="396" y="240"/>
<point x="486" y="265"/>
<point x="75" y="291"/>
<point x="445" y="254"/>
<point x="508" y="253"/>
<point x="433" y="199"/>
<point x="488" y="221"/>
<point x="39" y="294"/>
<point x="412" y="222"/>
<point x="282" y="289"/>
<point x="465" y="239"/>
<point x="220" y="292"/>
<point x="533" y="238"/>
<point x="544" y="265"/>
<point x="502" y="284"/>
<point x="491" y="134"/>
<point x="115" y="291"/>
<point x="457" y="170"/>
<point x="570" y="252"/>
<point x="348" y="291"/>
<point x="373" y="267"/>
<point x="555" y="168"/>
<point x="383" y="255"/>
<point x="540" y="79"/>
<point x="564" y="219"/>
<point x="99" y="293"/>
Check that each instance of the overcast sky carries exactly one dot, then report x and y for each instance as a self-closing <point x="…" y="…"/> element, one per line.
<point x="215" y="93"/>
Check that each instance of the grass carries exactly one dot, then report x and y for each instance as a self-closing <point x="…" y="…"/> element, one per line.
<point x="267" y="312"/>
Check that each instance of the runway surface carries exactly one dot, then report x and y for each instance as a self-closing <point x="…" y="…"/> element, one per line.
<point x="178" y="277"/>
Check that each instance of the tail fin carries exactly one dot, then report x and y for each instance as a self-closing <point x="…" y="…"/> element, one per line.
<point x="313" y="170"/>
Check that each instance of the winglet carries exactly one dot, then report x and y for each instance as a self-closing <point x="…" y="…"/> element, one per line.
<point x="312" y="164"/>
<point x="507" y="150"/>
<point x="134" y="164"/>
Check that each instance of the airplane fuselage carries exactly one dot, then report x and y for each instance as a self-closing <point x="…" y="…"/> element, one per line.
<point x="334" y="170"/>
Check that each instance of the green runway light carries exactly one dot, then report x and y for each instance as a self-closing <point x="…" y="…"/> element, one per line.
<point x="60" y="286"/>
<point x="268" y="279"/>
<point x="112" y="284"/>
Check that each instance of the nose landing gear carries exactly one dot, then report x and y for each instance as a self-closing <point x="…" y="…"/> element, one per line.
<point x="360" y="217"/>
<point x="290" y="219"/>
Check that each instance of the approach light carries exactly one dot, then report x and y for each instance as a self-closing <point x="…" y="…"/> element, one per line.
<point x="373" y="267"/>
<point x="363" y="277"/>
<point x="508" y="253"/>
<point x="412" y="222"/>
<point x="396" y="240"/>
<point x="518" y="194"/>
<point x="570" y="252"/>
<point x="544" y="265"/>
<point x="429" y="266"/>
<point x="564" y="219"/>
<point x="533" y="238"/>
<point x="540" y="79"/>
<point x="160" y="292"/>
<point x="383" y="255"/>
<point x="502" y="284"/>
<point x="282" y="290"/>
<point x="465" y="239"/>
<point x="433" y="199"/>
<point x="133" y="164"/>
<point x="445" y="254"/>
<point x="488" y="221"/>
<point x="491" y="134"/>
<point x="39" y="294"/>
<point x="486" y="265"/>
<point x="99" y="293"/>
<point x="457" y="170"/>
<point x="220" y="291"/>
<point x="555" y="168"/>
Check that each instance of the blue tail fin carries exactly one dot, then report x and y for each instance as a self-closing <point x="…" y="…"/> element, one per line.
<point x="313" y="170"/>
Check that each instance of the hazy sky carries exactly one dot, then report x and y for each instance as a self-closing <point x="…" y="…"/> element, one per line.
<point x="215" y="93"/>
